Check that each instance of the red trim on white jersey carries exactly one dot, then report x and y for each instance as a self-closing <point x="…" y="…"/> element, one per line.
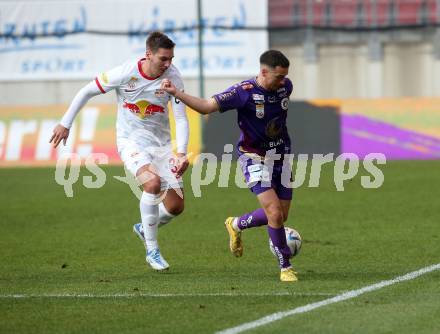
<point x="99" y="86"/>
<point x="143" y="73"/>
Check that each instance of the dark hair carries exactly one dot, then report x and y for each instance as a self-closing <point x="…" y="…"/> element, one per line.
<point x="157" y="40"/>
<point x="274" y="58"/>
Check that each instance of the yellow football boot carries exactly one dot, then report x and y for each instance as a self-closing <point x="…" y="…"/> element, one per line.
<point x="235" y="243"/>
<point x="288" y="275"/>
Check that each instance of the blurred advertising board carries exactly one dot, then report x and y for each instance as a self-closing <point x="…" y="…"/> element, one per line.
<point x="25" y="132"/>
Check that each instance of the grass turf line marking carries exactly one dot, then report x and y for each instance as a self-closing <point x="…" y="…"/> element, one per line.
<point x="162" y="295"/>
<point x="341" y="297"/>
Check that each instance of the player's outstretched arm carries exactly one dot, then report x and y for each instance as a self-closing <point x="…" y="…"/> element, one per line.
<point x="202" y="106"/>
<point x="61" y="131"/>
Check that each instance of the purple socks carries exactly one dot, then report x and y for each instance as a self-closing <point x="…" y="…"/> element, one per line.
<point x="252" y="219"/>
<point x="278" y="237"/>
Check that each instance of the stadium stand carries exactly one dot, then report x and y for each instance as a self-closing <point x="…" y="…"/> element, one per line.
<point x="379" y="13"/>
<point x="345" y="13"/>
<point x="352" y="13"/>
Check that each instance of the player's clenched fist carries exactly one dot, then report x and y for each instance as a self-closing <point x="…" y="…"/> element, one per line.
<point x="168" y="86"/>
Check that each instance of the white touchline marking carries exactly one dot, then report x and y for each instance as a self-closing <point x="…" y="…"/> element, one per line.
<point x="341" y="297"/>
<point x="161" y="295"/>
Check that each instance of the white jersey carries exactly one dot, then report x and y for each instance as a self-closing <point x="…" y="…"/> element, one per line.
<point x="143" y="115"/>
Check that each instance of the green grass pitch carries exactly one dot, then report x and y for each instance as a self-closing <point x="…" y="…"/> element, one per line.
<point x="81" y="269"/>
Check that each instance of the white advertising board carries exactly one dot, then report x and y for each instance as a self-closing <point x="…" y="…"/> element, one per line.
<point x="51" y="40"/>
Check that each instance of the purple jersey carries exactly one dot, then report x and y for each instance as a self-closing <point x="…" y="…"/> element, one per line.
<point x="261" y="116"/>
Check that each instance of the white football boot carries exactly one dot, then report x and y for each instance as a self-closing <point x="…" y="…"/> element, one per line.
<point x="153" y="257"/>
<point x="156" y="260"/>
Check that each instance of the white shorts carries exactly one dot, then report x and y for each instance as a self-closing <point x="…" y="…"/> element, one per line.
<point x="163" y="161"/>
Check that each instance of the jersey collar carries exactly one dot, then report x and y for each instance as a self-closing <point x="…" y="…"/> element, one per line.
<point x="142" y="72"/>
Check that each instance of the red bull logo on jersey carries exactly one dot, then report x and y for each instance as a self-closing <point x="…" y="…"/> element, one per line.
<point x="143" y="108"/>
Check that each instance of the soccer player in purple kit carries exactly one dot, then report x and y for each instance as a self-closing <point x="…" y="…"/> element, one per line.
<point x="261" y="105"/>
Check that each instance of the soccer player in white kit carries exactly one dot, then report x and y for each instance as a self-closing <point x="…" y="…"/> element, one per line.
<point x="143" y="135"/>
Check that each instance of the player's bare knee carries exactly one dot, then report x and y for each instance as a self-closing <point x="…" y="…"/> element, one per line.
<point x="275" y="214"/>
<point x="152" y="186"/>
<point x="176" y="208"/>
<point x="149" y="180"/>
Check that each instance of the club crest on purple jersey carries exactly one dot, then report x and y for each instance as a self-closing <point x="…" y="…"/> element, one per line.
<point x="259" y="110"/>
<point x="285" y="103"/>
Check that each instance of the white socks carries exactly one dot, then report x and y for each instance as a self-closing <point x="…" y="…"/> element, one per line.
<point x="153" y="216"/>
<point x="164" y="215"/>
<point x="150" y="218"/>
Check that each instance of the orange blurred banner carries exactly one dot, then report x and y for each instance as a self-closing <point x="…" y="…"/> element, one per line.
<point x="25" y="132"/>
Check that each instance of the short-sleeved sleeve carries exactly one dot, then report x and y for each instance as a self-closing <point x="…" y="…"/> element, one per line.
<point x="232" y="98"/>
<point x="289" y="86"/>
<point x="111" y="79"/>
